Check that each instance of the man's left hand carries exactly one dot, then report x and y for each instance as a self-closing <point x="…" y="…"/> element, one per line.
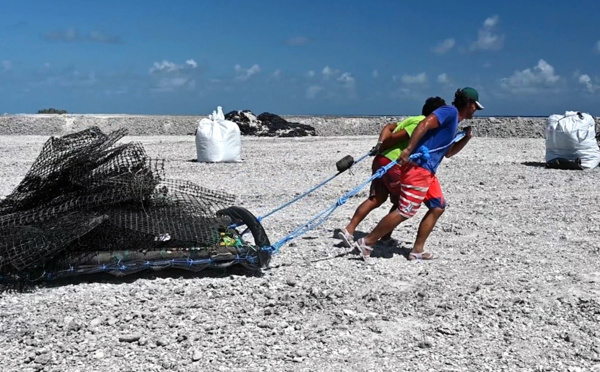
<point x="375" y="150"/>
<point x="468" y="133"/>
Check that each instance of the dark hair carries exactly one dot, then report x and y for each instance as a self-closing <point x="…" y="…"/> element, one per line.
<point x="432" y="104"/>
<point x="460" y="100"/>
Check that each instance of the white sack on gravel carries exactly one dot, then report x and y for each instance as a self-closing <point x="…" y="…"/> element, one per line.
<point x="218" y="140"/>
<point x="572" y="136"/>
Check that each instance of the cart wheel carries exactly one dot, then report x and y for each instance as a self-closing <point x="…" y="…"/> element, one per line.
<point x="241" y="216"/>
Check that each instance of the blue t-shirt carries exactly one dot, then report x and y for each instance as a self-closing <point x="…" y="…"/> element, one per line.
<point x="443" y="135"/>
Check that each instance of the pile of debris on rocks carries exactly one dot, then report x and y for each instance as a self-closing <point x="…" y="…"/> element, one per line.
<point x="268" y="125"/>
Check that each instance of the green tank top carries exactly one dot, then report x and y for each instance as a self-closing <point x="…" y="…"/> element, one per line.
<point x="409" y="125"/>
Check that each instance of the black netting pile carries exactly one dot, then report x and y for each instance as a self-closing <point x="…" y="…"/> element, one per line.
<point x="89" y="204"/>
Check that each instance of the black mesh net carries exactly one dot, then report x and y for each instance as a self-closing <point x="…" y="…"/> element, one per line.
<point x="89" y="205"/>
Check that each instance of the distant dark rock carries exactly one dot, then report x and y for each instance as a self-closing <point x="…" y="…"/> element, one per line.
<point x="268" y="125"/>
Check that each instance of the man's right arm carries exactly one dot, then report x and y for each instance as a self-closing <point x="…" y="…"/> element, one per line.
<point x="394" y="138"/>
<point x="427" y="124"/>
<point x="386" y="132"/>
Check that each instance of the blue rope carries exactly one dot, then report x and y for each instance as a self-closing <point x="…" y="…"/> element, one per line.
<point x="149" y="264"/>
<point x="309" y="191"/>
<point x="321" y="217"/>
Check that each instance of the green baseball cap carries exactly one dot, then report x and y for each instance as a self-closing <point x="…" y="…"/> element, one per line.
<point x="472" y="94"/>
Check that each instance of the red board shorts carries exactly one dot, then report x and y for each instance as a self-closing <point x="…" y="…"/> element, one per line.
<point x="378" y="186"/>
<point x="413" y="186"/>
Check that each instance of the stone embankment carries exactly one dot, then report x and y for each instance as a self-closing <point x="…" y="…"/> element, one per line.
<point x="58" y="125"/>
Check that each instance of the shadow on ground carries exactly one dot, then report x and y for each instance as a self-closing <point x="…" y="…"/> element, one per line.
<point x="173" y="273"/>
<point x="538" y="164"/>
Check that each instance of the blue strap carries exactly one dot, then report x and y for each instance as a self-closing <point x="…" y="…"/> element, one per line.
<point x="309" y="191"/>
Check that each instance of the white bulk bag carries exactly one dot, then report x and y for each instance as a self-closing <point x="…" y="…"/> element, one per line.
<point x="572" y="136"/>
<point x="217" y="139"/>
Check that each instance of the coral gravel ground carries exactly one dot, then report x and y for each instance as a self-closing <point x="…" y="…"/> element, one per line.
<point x="515" y="286"/>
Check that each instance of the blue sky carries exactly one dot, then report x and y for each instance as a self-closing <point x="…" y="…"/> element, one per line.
<point x="298" y="57"/>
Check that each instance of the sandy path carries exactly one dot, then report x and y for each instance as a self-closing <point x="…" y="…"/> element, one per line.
<point x="516" y="285"/>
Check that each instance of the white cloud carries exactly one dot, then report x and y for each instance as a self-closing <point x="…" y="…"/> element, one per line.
<point x="375" y="74"/>
<point x="72" y="35"/>
<point x="69" y="35"/>
<point x="100" y="37"/>
<point x="116" y="92"/>
<point x="329" y="72"/>
<point x="409" y="93"/>
<point x="277" y="74"/>
<point x="170" y="76"/>
<point x="331" y="84"/>
<point x="597" y="47"/>
<point x="530" y="80"/>
<point x="414" y="79"/>
<point x="167" y="66"/>
<point x="347" y="80"/>
<point x="245" y="74"/>
<point x="487" y="38"/>
<point x="6" y="65"/>
<point x="312" y="91"/>
<point x="444" y="46"/>
<point x="589" y="84"/>
<point x="443" y="78"/>
<point x="491" y="22"/>
<point x="163" y="66"/>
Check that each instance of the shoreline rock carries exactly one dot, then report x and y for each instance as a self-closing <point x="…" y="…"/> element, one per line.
<point x="323" y="126"/>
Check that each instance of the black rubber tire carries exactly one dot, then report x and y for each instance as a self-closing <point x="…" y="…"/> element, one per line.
<point x="241" y="216"/>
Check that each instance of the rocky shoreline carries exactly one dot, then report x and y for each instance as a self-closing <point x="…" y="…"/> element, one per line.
<point x="325" y="126"/>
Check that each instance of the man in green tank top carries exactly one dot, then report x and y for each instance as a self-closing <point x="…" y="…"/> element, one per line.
<point x="396" y="145"/>
<point x="394" y="138"/>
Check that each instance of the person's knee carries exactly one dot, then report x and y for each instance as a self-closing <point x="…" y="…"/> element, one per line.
<point x="371" y="203"/>
<point x="438" y="211"/>
<point x="377" y="200"/>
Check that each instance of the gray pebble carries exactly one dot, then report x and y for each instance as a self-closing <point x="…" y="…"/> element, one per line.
<point x="425" y="344"/>
<point x="196" y="356"/>
<point x="95" y="322"/>
<point x="129" y="337"/>
<point x="43" y="359"/>
<point x="162" y="342"/>
<point x="143" y="341"/>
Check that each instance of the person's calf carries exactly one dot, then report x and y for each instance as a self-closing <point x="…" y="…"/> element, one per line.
<point x="426" y="227"/>
<point x="385" y="226"/>
<point x="363" y="211"/>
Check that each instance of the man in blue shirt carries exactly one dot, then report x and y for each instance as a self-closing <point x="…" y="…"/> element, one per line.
<point x="417" y="179"/>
